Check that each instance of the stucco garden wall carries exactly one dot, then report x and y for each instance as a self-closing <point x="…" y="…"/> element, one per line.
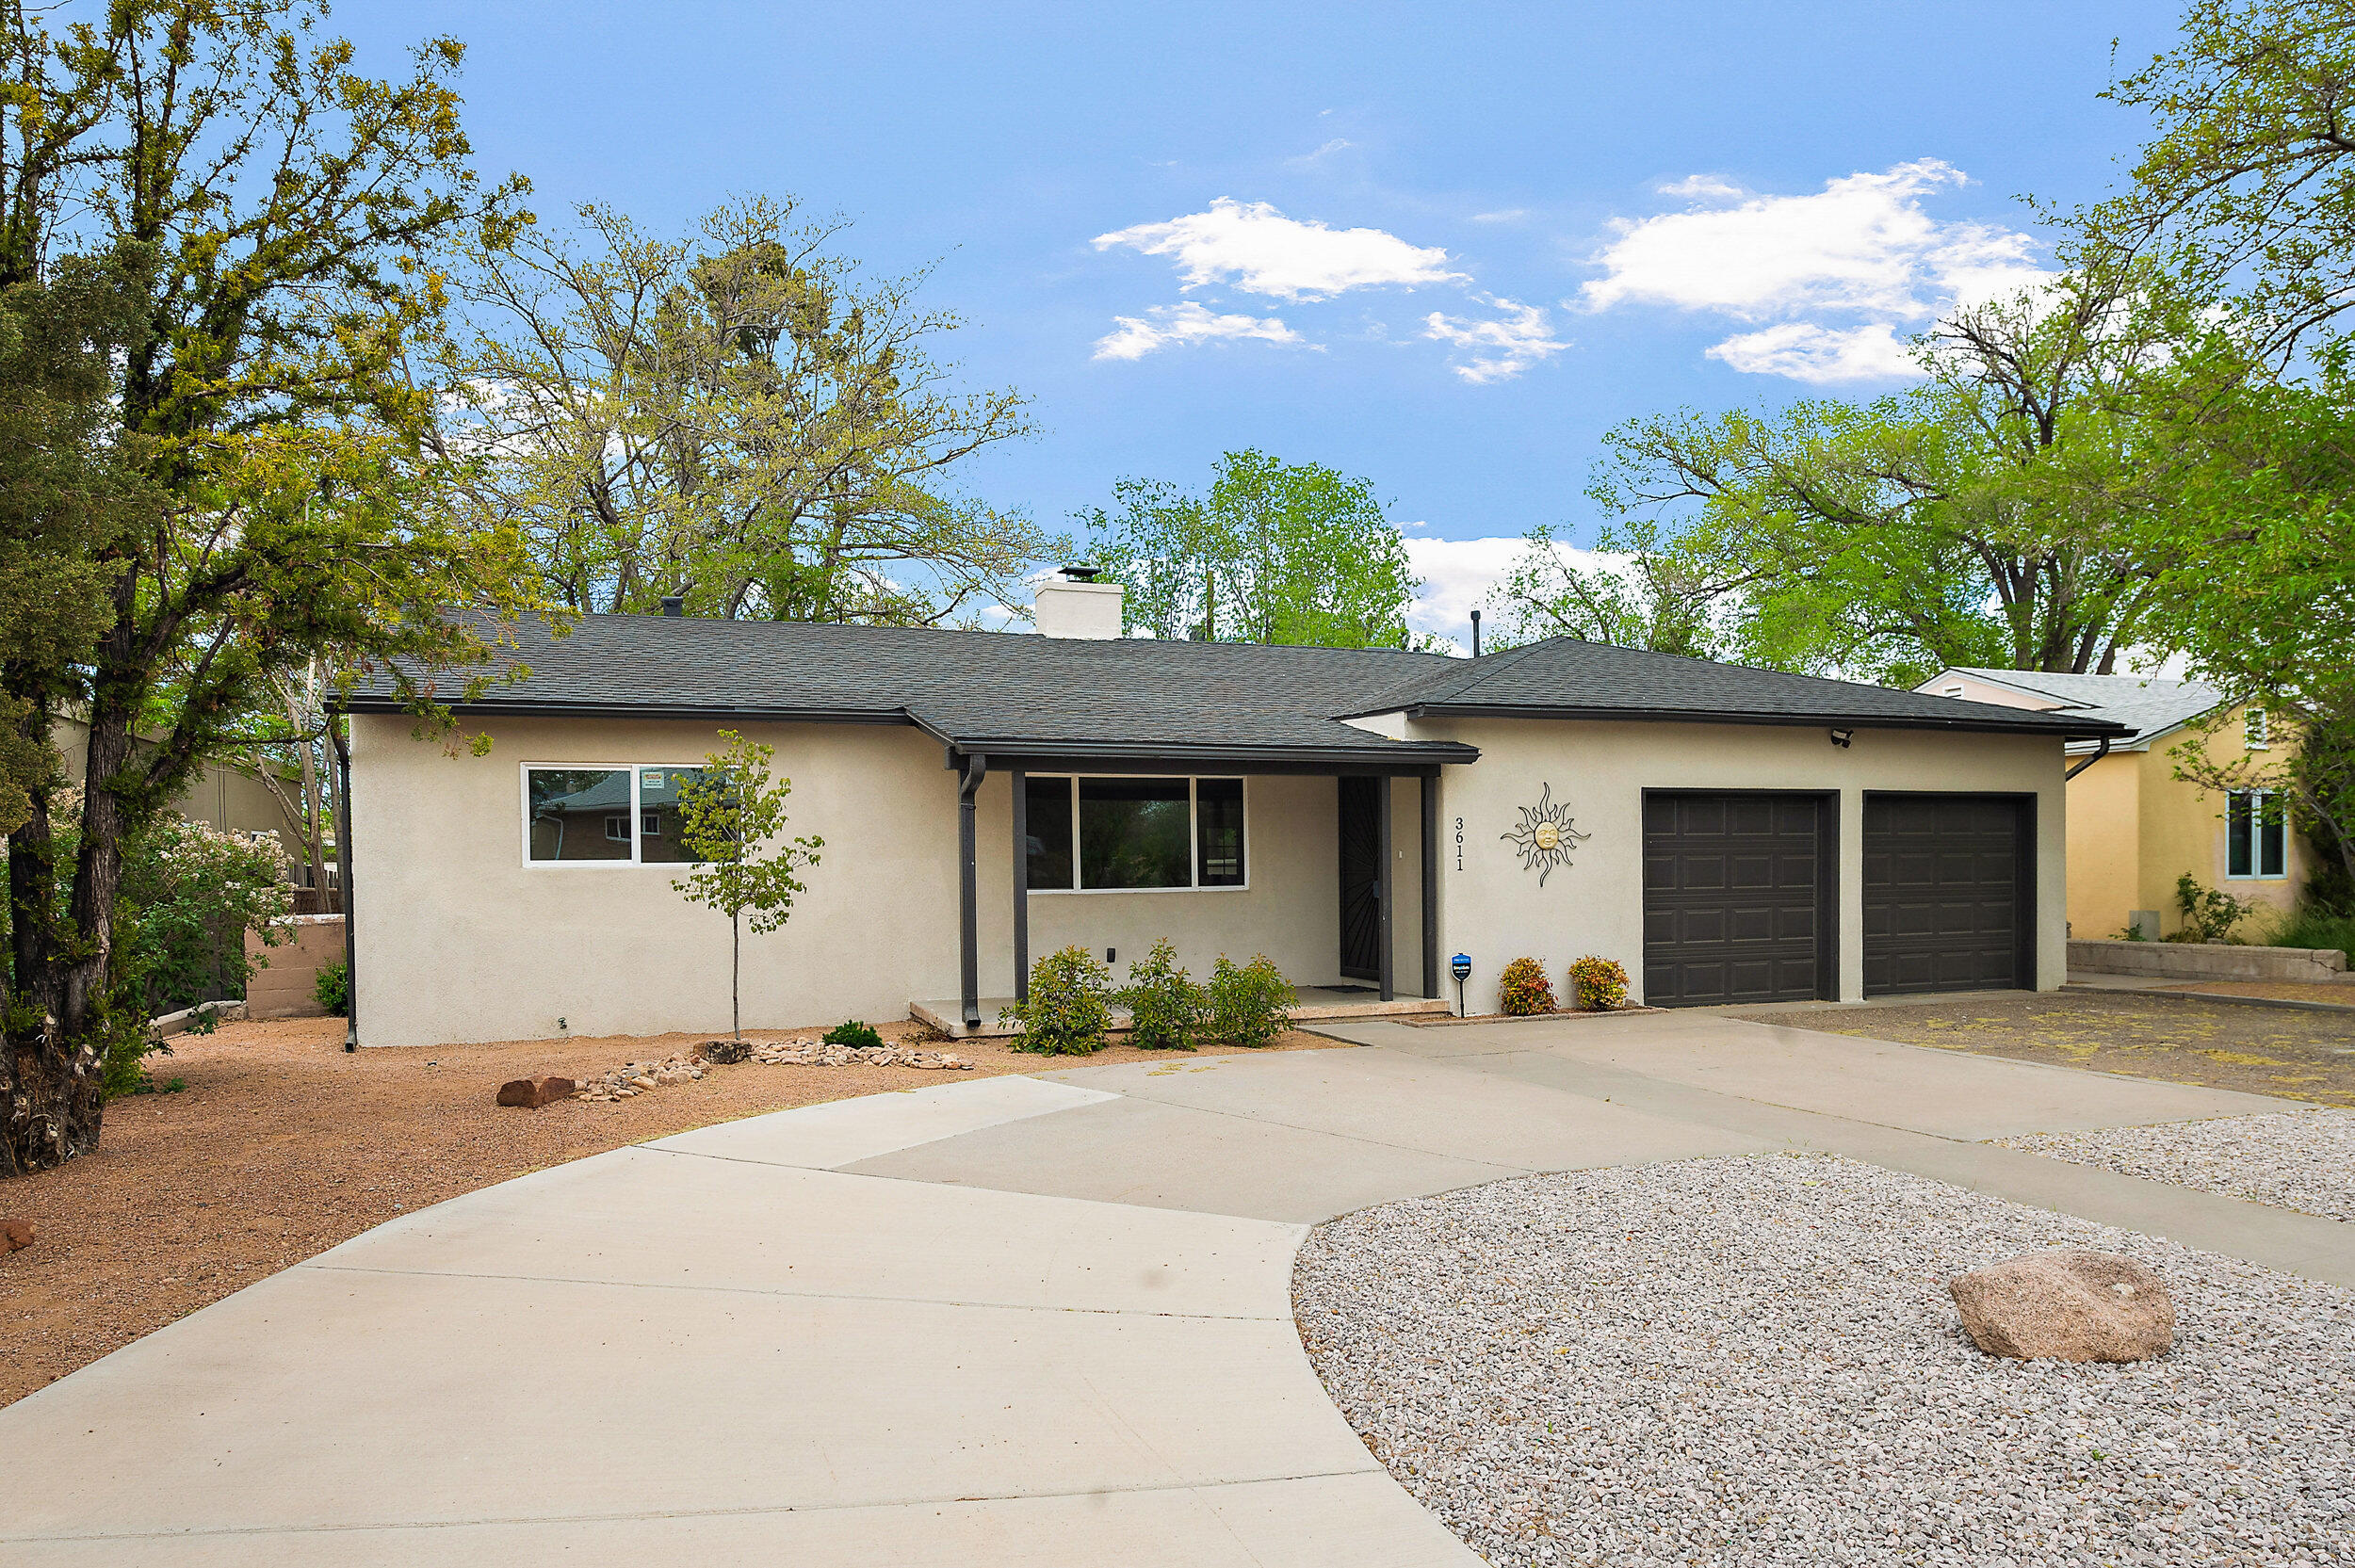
<point x="1495" y="910"/>
<point x="460" y="941"/>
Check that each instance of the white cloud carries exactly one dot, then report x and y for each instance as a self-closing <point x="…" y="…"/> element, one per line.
<point x="1809" y="352"/>
<point x="1864" y="248"/>
<point x="1458" y="574"/>
<point x="1310" y="160"/>
<point x="1502" y="348"/>
<point x="1703" y="187"/>
<point x="1502" y="215"/>
<point x="1187" y="322"/>
<point x="1259" y="250"/>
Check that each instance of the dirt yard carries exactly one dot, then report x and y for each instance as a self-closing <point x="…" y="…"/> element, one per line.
<point x="283" y="1145"/>
<point x="2296" y="1053"/>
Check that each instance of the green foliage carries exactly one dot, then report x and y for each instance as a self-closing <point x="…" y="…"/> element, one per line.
<point x="191" y="894"/>
<point x="1522" y="989"/>
<point x="2209" y="913"/>
<point x="331" y="986"/>
<point x="730" y="821"/>
<point x="1166" y="1009"/>
<point x="2315" y="925"/>
<point x="854" y="1034"/>
<point x="1069" y="1005"/>
<point x="737" y="416"/>
<point x="1248" y="1004"/>
<point x="1276" y="552"/>
<point x="1598" y="984"/>
<point x="1634" y="590"/>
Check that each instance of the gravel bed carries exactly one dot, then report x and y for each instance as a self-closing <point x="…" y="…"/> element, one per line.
<point x="2301" y="1159"/>
<point x="1755" y="1361"/>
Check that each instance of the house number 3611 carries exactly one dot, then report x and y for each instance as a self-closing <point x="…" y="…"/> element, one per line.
<point x="1459" y="844"/>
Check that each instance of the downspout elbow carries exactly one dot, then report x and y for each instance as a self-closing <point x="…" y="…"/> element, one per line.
<point x="2102" y="749"/>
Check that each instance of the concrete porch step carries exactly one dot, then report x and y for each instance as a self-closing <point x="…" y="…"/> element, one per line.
<point x="1315" y="1005"/>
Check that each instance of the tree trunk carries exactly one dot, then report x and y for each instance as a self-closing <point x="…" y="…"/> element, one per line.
<point x="736" y="972"/>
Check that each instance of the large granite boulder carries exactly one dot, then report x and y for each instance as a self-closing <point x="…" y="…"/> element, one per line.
<point x="2067" y="1306"/>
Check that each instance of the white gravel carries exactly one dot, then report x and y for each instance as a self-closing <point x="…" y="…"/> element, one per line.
<point x="2301" y="1159"/>
<point x="1755" y="1361"/>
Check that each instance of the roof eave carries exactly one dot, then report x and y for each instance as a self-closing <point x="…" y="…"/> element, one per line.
<point x="2074" y="728"/>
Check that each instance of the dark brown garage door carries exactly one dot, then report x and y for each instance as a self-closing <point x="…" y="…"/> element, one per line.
<point x="1946" y="894"/>
<point x="1736" y="898"/>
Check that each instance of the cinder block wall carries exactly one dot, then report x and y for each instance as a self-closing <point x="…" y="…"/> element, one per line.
<point x="284" y="990"/>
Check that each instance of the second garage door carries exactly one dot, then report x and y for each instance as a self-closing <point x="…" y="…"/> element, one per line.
<point x="1736" y="898"/>
<point x="1946" y="892"/>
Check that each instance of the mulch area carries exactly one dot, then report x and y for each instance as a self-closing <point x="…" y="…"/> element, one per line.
<point x="2292" y="1052"/>
<point x="283" y="1145"/>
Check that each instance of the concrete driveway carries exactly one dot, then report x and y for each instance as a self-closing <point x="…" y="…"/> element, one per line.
<point x="1041" y="1320"/>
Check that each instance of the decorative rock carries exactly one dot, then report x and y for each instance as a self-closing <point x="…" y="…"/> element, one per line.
<point x="726" y="1052"/>
<point x="2070" y="1306"/>
<point x="532" y="1093"/>
<point x="817" y="1053"/>
<point x="15" y="1235"/>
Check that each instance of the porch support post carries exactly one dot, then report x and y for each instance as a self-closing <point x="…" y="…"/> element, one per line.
<point x="1022" y="886"/>
<point x="1385" y="885"/>
<point x="1429" y="787"/>
<point x="968" y="893"/>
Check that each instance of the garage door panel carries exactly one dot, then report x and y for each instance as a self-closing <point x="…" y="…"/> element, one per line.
<point x="1730" y="899"/>
<point x="1944" y="877"/>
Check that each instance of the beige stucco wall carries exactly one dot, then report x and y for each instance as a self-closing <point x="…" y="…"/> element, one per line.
<point x="460" y="941"/>
<point x="285" y="985"/>
<point x="1495" y="910"/>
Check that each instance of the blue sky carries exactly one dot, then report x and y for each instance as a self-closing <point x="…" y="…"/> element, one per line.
<point x="1445" y="247"/>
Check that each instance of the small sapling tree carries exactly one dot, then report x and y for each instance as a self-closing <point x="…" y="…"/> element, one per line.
<point x="729" y="820"/>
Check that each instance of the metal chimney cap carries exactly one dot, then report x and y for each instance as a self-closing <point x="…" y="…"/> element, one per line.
<point x="1083" y="574"/>
<point x="674" y="603"/>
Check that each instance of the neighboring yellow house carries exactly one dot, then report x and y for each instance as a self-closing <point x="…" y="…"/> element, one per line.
<point x="2134" y="827"/>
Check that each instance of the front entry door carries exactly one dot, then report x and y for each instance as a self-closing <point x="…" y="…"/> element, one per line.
<point x="1361" y="880"/>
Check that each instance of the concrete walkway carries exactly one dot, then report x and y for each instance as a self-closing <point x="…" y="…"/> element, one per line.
<point x="1041" y="1320"/>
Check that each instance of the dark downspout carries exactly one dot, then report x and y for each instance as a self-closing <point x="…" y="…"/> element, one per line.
<point x="1385" y="885"/>
<point x="343" y="877"/>
<point x="2102" y="750"/>
<point x="1431" y="986"/>
<point x="968" y="891"/>
<point x="1021" y="885"/>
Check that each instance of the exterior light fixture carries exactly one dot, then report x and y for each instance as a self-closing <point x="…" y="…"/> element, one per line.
<point x="1460" y="966"/>
<point x="1841" y="737"/>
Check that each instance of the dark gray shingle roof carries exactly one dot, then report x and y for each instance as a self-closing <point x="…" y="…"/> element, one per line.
<point x="1021" y="694"/>
<point x="1574" y="678"/>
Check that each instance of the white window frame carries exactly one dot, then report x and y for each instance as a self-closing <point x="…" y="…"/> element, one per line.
<point x="1194" y="836"/>
<point x="2258" y="801"/>
<point x="2256" y="730"/>
<point x="636" y="812"/>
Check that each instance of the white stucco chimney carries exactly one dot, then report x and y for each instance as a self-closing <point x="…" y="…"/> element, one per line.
<point x="1074" y="604"/>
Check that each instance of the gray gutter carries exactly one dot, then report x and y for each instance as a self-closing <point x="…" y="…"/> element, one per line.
<point x="2087" y="729"/>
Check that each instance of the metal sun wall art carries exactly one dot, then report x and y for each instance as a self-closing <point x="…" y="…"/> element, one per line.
<point x="1545" y="837"/>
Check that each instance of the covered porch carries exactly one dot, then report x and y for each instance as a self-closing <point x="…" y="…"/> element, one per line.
<point x="1328" y="864"/>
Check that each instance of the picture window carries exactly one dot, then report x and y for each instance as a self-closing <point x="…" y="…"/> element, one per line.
<point x="606" y="816"/>
<point x="1088" y="833"/>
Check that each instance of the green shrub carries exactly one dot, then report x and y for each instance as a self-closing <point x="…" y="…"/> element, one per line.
<point x="857" y="1036"/>
<point x="2315" y="925"/>
<point x="2209" y="913"/>
<point x="331" y="986"/>
<point x="1523" y="989"/>
<point x="1165" y="1007"/>
<point x="1069" y="1005"/>
<point x="1598" y="984"/>
<point x="1249" y="1005"/>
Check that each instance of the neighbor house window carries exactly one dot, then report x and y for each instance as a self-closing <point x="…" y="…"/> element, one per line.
<point x="585" y="815"/>
<point x="1133" y="834"/>
<point x="2256" y="845"/>
<point x="2254" y="730"/>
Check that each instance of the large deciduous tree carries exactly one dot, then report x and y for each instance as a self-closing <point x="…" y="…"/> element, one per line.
<point x="266" y="216"/>
<point x="738" y="417"/>
<point x="1275" y="552"/>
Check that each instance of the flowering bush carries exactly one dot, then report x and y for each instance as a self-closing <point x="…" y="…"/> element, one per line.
<point x="1523" y="989"/>
<point x="1598" y="984"/>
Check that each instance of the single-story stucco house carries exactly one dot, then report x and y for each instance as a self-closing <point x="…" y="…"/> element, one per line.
<point x="1729" y="834"/>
